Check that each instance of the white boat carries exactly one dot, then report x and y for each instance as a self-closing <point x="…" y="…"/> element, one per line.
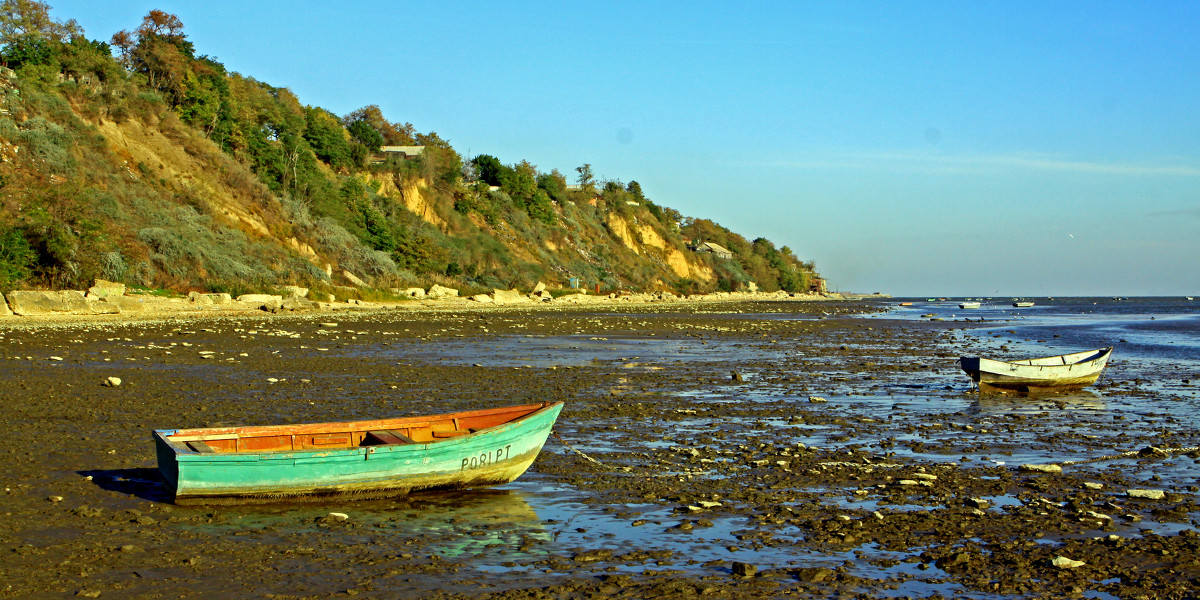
<point x="1052" y="373"/>
<point x="1022" y="304"/>
<point x="968" y="305"/>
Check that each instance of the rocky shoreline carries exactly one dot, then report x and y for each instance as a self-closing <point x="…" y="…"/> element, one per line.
<point x="109" y="298"/>
<point x="707" y="449"/>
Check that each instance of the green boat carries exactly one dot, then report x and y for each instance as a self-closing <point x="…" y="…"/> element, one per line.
<point x="374" y="458"/>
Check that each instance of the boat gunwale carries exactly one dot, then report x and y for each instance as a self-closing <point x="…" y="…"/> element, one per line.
<point x="176" y="439"/>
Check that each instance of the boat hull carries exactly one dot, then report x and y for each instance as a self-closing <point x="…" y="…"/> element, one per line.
<point x="491" y="456"/>
<point x="1064" y="372"/>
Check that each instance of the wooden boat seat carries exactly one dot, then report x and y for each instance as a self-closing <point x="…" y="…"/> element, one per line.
<point x="449" y="434"/>
<point x="387" y="437"/>
<point x="201" y="447"/>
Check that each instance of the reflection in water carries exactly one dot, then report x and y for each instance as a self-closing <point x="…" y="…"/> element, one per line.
<point x="1002" y="404"/>
<point x="450" y="524"/>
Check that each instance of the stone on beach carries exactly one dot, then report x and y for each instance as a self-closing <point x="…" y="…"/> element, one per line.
<point x="438" y="292"/>
<point x="1147" y="494"/>
<point x="1063" y="562"/>
<point x="1035" y="468"/>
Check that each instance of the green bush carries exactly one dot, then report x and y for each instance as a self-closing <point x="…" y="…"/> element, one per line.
<point x="17" y="259"/>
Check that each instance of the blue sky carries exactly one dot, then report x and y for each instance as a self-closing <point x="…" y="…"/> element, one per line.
<point x="912" y="148"/>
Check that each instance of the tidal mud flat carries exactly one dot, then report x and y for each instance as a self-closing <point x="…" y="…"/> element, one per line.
<point x="717" y="450"/>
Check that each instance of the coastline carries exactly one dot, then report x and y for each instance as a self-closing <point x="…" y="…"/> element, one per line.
<point x="148" y="309"/>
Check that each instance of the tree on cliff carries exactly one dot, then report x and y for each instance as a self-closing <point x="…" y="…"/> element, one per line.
<point x="24" y="20"/>
<point x="30" y="35"/>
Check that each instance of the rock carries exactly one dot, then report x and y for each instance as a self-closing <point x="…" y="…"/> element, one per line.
<point x="735" y="376"/>
<point x="112" y="382"/>
<point x="54" y="498"/>
<point x="508" y="297"/>
<point x="814" y="574"/>
<point x="88" y="593"/>
<point x="1051" y="468"/>
<point x="103" y="306"/>
<point x="264" y="301"/>
<point x="1152" y="452"/>
<point x="1063" y="562"/>
<point x="1147" y="494"/>
<point x="816" y="399"/>
<point x="5" y="311"/>
<point x="539" y="288"/>
<point x="27" y="303"/>
<point x="353" y="279"/>
<point x="335" y="517"/>
<point x="481" y="298"/>
<point x="199" y="299"/>
<point x="417" y="293"/>
<point x="1093" y="486"/>
<point x="953" y="560"/>
<point x="542" y="296"/>
<point x="979" y="503"/>
<point x="293" y="304"/>
<point x="294" y="291"/>
<point x="592" y="556"/>
<point x="438" y="292"/>
<point x="741" y="569"/>
<point x="105" y="289"/>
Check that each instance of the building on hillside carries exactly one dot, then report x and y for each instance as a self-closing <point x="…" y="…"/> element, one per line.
<point x="718" y="251"/>
<point x="817" y="284"/>
<point x="405" y="152"/>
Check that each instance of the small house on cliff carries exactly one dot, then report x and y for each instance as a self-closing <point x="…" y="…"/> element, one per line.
<point x="718" y="251"/>
<point x="405" y="152"/>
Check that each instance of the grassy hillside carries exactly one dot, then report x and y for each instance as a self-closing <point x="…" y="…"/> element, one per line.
<point x="142" y="162"/>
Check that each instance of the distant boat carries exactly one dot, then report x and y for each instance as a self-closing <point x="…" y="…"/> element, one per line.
<point x="1022" y="304"/>
<point x="384" y="457"/>
<point x="1189" y="298"/>
<point x="968" y="305"/>
<point x="1052" y="373"/>
<point x="906" y="304"/>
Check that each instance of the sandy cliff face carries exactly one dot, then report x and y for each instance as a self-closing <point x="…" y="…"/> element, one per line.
<point x="412" y="195"/>
<point x="643" y="239"/>
<point x="158" y="156"/>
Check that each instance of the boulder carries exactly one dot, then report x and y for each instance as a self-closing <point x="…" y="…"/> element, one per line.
<point x="542" y="296"/>
<point x="203" y="299"/>
<point x="1063" y="562"/>
<point x="1147" y="494"/>
<point x="105" y="289"/>
<point x="35" y="302"/>
<point x="5" y="311"/>
<point x="540" y="287"/>
<point x="741" y="569"/>
<point x="263" y="301"/>
<point x="103" y="306"/>
<point x="508" y="297"/>
<point x="481" y="298"/>
<point x="353" y="279"/>
<point x="293" y="291"/>
<point x="291" y="304"/>
<point x="199" y="299"/>
<point x="1036" y="468"/>
<point x="418" y="293"/>
<point x="437" y="292"/>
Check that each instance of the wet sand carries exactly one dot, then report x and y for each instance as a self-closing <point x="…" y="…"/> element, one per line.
<point x="717" y="451"/>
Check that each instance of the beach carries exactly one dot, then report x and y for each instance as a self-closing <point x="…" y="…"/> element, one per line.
<point x="713" y="449"/>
